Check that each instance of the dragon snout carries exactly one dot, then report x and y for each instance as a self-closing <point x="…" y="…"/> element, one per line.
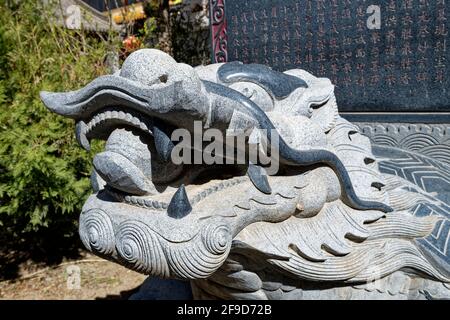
<point x="137" y="245"/>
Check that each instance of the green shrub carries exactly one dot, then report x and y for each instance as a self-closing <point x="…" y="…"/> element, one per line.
<point x="44" y="174"/>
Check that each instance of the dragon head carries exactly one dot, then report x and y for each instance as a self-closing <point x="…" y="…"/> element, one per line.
<point x="182" y="219"/>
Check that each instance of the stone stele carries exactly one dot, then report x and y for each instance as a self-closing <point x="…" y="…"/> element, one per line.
<point x="326" y="225"/>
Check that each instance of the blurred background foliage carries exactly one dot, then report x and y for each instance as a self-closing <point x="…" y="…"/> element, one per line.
<point x="44" y="173"/>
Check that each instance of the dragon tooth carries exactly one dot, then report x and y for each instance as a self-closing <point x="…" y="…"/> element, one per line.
<point x="135" y="121"/>
<point x="163" y="143"/>
<point x="259" y="178"/>
<point x="179" y="206"/>
<point x="89" y="126"/>
<point x="80" y="133"/>
<point x="143" y="126"/>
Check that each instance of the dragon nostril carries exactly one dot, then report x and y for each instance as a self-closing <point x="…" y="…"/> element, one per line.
<point x="164" y="78"/>
<point x="350" y="133"/>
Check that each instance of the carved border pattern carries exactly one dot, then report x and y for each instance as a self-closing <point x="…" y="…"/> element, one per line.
<point x="219" y="36"/>
<point x="431" y="140"/>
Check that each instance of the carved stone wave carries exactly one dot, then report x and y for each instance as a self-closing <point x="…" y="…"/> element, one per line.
<point x="96" y="232"/>
<point x="138" y="246"/>
<point x="429" y="140"/>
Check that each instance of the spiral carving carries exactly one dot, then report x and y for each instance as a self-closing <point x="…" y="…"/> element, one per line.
<point x="218" y="11"/>
<point x="144" y="250"/>
<point x="202" y="255"/>
<point x="140" y="248"/>
<point x="219" y="31"/>
<point x="96" y="232"/>
<point x="217" y="239"/>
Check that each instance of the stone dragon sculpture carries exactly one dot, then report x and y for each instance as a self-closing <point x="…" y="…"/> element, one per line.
<point x="327" y="224"/>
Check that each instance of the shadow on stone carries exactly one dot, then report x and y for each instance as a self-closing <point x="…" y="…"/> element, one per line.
<point x="163" y="289"/>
